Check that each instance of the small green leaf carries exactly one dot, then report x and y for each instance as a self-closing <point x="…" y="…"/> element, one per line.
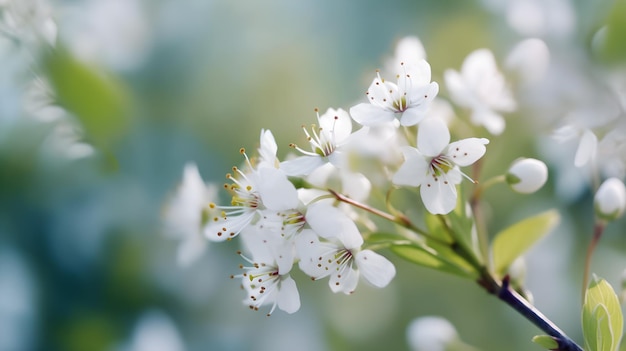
<point x="381" y="237"/>
<point x="613" y="48"/>
<point x="546" y="341"/>
<point x="602" y="318"/>
<point x="513" y="241"/>
<point x="427" y="257"/>
<point x="98" y="100"/>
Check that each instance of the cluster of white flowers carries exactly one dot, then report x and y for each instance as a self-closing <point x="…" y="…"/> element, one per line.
<point x="401" y="125"/>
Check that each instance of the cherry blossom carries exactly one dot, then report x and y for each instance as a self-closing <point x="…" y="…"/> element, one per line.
<point x="434" y="164"/>
<point x="327" y="140"/>
<point x="338" y="254"/>
<point x="408" y="99"/>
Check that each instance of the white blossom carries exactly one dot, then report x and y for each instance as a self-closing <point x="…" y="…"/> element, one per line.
<point x="434" y="164"/>
<point x="408" y="99"/>
<point x="481" y="88"/>
<point x="184" y="214"/>
<point x="327" y="140"/>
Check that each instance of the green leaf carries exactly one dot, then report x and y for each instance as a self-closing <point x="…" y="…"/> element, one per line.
<point x="427" y="257"/>
<point x="546" y="341"/>
<point x="602" y="318"/>
<point x="96" y="99"/>
<point x="513" y="241"/>
<point x="381" y="237"/>
<point x="613" y="47"/>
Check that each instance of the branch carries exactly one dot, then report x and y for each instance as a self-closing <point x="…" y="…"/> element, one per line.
<point x="530" y="312"/>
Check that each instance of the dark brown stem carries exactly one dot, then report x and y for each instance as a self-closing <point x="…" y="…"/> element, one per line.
<point x="522" y="306"/>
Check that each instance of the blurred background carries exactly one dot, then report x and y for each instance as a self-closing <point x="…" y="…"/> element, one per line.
<point x="139" y="88"/>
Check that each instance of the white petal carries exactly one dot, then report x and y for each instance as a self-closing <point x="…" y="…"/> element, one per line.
<point x="408" y="49"/>
<point x="288" y="296"/>
<point x="355" y="185"/>
<point x="467" y="151"/>
<point x="375" y="268"/>
<point x="412" y="116"/>
<point x="337" y="124"/>
<point x="414" y="169"/>
<point x="432" y="137"/>
<point x="301" y="166"/>
<point x="438" y="197"/>
<point x="276" y="191"/>
<point x="460" y="93"/>
<point x="493" y="122"/>
<point x="344" y="281"/>
<point x="586" y="149"/>
<point x="330" y="222"/>
<point x="268" y="148"/>
<point x="367" y="114"/>
<point x="530" y="59"/>
<point x="478" y="65"/>
<point x="220" y="229"/>
<point x="309" y="249"/>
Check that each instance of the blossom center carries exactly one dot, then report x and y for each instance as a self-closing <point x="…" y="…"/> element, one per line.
<point x="440" y="165"/>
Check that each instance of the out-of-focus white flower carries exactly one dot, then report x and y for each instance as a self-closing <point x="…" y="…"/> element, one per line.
<point x="408" y="49"/>
<point x="610" y="199"/>
<point x="529" y="59"/>
<point x="184" y="214"/>
<point x="434" y="165"/>
<point x="91" y="35"/>
<point x="527" y="175"/>
<point x="431" y="333"/>
<point x="587" y="147"/>
<point x="408" y="99"/>
<point x="481" y="88"/>
<point x="155" y="331"/>
<point x="28" y="21"/>
<point x="541" y="17"/>
<point x="327" y="140"/>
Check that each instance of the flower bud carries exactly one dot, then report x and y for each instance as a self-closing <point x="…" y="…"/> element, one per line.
<point x="610" y="199"/>
<point x="527" y="175"/>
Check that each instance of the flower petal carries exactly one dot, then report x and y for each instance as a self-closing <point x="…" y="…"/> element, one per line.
<point x="492" y="121"/>
<point x="275" y="190"/>
<point x="467" y="151"/>
<point x="288" y="297"/>
<point x="375" y="268"/>
<point x="432" y="137"/>
<point x="336" y="125"/>
<point x="414" y="169"/>
<point x="345" y="280"/>
<point x="267" y="148"/>
<point x="586" y="149"/>
<point x="439" y="197"/>
<point x="301" y="166"/>
<point x="330" y="222"/>
<point x="369" y="115"/>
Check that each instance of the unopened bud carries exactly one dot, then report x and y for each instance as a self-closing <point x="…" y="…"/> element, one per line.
<point x="527" y="175"/>
<point x="610" y="199"/>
